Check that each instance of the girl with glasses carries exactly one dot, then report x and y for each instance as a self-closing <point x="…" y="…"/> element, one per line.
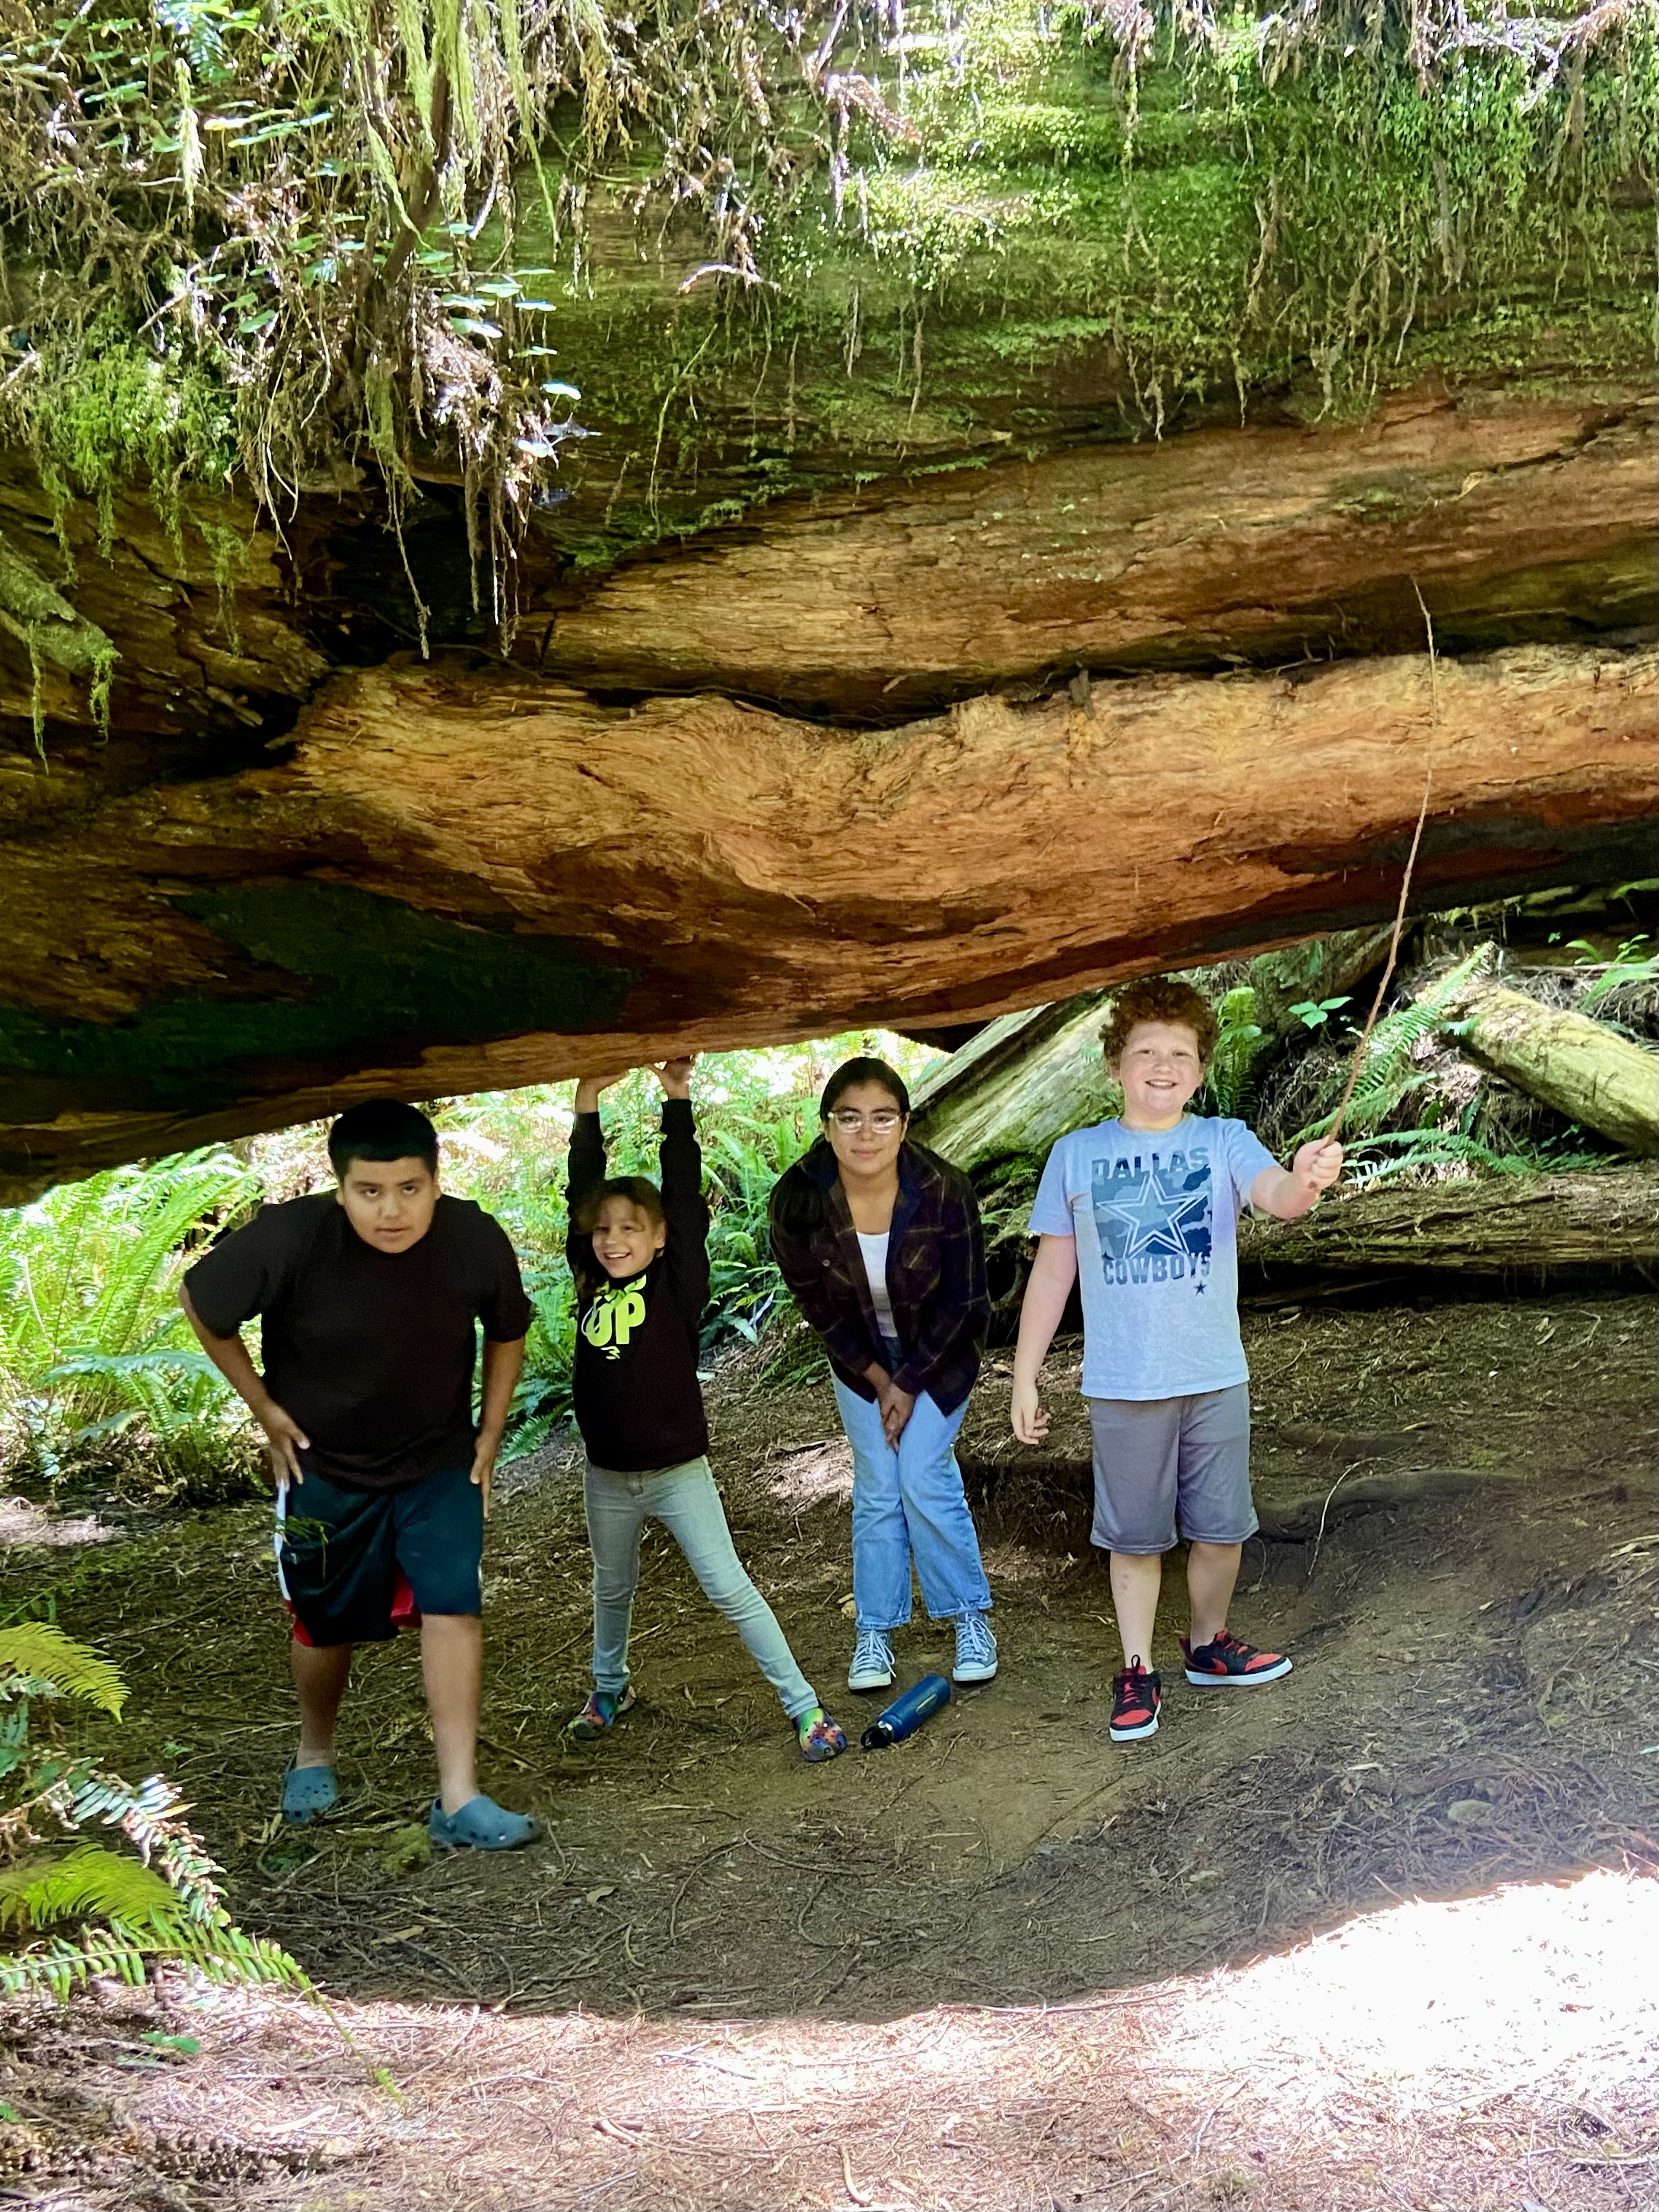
<point x="879" y="1241"/>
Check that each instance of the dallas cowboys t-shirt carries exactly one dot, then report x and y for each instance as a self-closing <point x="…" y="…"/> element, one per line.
<point x="1156" y="1218"/>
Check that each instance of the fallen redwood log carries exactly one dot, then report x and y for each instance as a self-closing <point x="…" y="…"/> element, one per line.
<point x="1506" y="1224"/>
<point x="1329" y="967"/>
<point x="1583" y="1068"/>
<point x="464" y="877"/>
<point x="1028" y="1078"/>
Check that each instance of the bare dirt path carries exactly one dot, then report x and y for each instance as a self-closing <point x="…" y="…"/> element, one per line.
<point x="1458" y="1548"/>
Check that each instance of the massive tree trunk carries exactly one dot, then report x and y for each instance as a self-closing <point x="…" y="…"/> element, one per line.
<point x="1527" y="1226"/>
<point x="1581" y="1068"/>
<point x="272" y="888"/>
<point x="1016" y="577"/>
<point x="1519" y="520"/>
<point x="467" y="876"/>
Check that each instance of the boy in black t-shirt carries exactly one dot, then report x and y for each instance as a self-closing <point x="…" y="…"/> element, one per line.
<point x="367" y="1297"/>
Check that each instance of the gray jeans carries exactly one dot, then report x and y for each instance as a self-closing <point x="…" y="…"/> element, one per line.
<point x="686" y="1502"/>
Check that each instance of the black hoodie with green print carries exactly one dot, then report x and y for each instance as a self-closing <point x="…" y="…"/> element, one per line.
<point x="638" y="1403"/>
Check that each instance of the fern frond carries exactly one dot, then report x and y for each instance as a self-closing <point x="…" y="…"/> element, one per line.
<point x="41" y="1651"/>
<point x="61" y="1965"/>
<point x="1230" y="1079"/>
<point x="1389" y="1074"/>
<point x="89" y="1884"/>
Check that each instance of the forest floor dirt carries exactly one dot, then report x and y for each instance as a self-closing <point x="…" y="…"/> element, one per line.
<point x="1370" y="1936"/>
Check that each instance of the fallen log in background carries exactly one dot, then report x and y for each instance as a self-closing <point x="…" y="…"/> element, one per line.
<point x="1582" y="1068"/>
<point x="1025" y="1080"/>
<point x="1327" y="968"/>
<point x="1507" y="1224"/>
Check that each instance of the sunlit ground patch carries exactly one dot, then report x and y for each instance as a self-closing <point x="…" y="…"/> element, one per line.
<point x="1536" y="1983"/>
<point x="1498" y="2051"/>
<point x="25" y="1523"/>
<point x="807" y="1474"/>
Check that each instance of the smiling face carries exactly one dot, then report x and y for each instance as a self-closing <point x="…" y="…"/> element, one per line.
<point x="388" y="1203"/>
<point x="626" y="1240"/>
<point x="1159" y="1068"/>
<point x="866" y="1128"/>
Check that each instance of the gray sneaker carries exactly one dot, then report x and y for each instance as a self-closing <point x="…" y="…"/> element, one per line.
<point x="976" y="1649"/>
<point x="873" y="1661"/>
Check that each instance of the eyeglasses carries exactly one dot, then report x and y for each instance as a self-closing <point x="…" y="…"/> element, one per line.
<point x="882" y="1122"/>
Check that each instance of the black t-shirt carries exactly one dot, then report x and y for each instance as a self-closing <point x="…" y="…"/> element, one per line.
<point x="371" y="1353"/>
<point x="638" y="1403"/>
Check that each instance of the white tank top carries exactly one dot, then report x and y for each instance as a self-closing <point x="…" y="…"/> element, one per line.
<point x="874" y="1249"/>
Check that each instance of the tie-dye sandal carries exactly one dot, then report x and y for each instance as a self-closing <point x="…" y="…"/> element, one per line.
<point x="603" y="1709"/>
<point x="818" y="1736"/>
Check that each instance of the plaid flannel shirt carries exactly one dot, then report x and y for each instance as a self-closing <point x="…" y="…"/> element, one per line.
<point x="935" y="1275"/>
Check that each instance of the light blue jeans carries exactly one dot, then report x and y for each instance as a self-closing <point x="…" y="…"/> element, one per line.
<point x="908" y="1505"/>
<point x="686" y="1502"/>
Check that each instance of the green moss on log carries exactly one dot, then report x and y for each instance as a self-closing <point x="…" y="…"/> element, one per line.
<point x="772" y="251"/>
<point x="1051" y="257"/>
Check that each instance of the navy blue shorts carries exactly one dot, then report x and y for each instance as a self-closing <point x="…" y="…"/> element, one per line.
<point x="355" y="1565"/>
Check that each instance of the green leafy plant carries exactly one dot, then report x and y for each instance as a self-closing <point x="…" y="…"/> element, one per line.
<point x="1316" y="1013"/>
<point x="744" y="1154"/>
<point x="96" y="1358"/>
<point x="69" y="1908"/>
<point x="1631" y="965"/>
<point x="1399" y="1151"/>
<point x="1389" y="1072"/>
<point x="1240" y="1042"/>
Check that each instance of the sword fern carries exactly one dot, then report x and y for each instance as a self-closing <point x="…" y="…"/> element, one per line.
<point x="72" y="1909"/>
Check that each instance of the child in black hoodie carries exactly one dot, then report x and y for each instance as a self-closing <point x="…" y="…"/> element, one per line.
<point x="640" y="1258"/>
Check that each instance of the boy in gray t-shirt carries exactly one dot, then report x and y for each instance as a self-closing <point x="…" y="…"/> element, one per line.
<point x="1143" y="1211"/>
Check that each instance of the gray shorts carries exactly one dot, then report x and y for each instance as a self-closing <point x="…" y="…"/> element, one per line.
<point x="1160" y="1461"/>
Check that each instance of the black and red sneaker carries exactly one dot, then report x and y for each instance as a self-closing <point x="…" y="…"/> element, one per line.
<point x="1228" y="1664"/>
<point x="1136" y="1697"/>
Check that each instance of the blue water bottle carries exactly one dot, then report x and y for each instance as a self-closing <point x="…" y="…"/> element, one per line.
<point x="906" y="1714"/>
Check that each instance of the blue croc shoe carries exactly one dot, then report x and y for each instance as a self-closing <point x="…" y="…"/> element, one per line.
<point x="480" y="1825"/>
<point x="309" y="1793"/>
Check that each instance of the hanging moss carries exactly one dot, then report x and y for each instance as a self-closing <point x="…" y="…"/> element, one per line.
<point x="1060" y="250"/>
<point x="764" y="251"/>
<point x="52" y="634"/>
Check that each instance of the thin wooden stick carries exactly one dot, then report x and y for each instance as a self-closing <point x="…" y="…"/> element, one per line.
<point x="1336" y="1130"/>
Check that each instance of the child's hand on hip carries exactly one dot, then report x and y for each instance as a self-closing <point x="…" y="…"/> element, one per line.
<point x="1030" y="1422"/>
<point x="284" y="1441"/>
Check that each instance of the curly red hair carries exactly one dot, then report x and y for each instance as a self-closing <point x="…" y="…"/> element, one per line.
<point x="1159" y="999"/>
